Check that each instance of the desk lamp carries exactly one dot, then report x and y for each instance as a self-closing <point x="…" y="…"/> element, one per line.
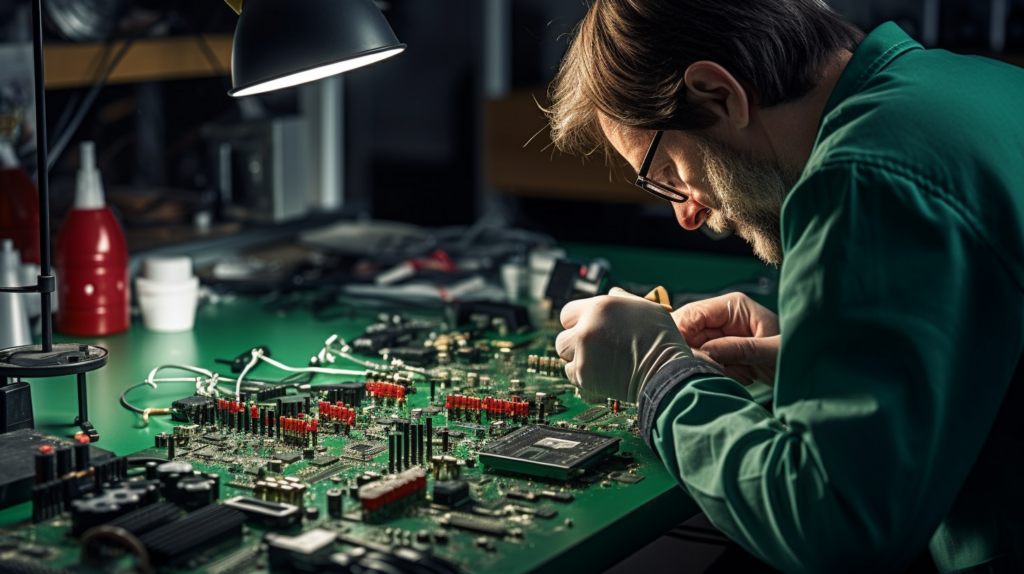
<point x="277" y="44"/>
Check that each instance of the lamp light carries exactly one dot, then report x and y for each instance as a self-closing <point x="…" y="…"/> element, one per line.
<point x="284" y="43"/>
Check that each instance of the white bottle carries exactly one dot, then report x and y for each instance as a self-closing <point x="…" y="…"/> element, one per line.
<point x="14" y="327"/>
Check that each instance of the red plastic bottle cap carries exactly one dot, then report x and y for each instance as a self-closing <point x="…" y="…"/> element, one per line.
<point x="46" y="449"/>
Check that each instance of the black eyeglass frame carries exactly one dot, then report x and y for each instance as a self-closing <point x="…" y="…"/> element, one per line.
<point x="649" y="185"/>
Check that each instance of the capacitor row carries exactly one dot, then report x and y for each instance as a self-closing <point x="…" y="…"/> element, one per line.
<point x="337" y="412"/>
<point x="390" y="391"/>
<point x="460" y="407"/>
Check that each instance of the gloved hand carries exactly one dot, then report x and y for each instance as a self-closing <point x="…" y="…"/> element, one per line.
<point x="615" y="343"/>
<point x="735" y="332"/>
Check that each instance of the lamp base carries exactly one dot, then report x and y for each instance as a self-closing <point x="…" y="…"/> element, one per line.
<point x="30" y="361"/>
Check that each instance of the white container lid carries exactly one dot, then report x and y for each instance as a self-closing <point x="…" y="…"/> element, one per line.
<point x="163" y="269"/>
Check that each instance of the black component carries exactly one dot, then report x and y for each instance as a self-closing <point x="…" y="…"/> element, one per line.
<point x="334" y="503"/>
<point x="270" y="514"/>
<point x="308" y="453"/>
<point x="263" y="421"/>
<point x="147" y="518"/>
<point x="451" y="492"/>
<point x="419" y="443"/>
<point x="572" y="278"/>
<point x="173" y="471"/>
<point x="548" y="452"/>
<point x="102" y="508"/>
<point x="516" y="317"/>
<point x="300" y="553"/>
<point x="476" y="524"/>
<point x="238" y="363"/>
<point x="467" y="355"/>
<point x="433" y="388"/>
<point x="417" y="356"/>
<point x="471" y="462"/>
<point x="406" y="444"/>
<point x="441" y="536"/>
<point x="324" y="460"/>
<point x="288" y="457"/>
<point x="444" y="440"/>
<point x="193" y="492"/>
<point x="430" y="438"/>
<point x="151" y="470"/>
<point x="274" y="465"/>
<point x="311" y="513"/>
<point x="351" y="394"/>
<point x="423" y="536"/>
<point x="206" y="528"/>
<point x="485" y="543"/>
<point x="291" y="405"/>
<point x="17" y="463"/>
<point x="172" y="442"/>
<point x="247" y="419"/>
<point x="82" y="458"/>
<point x="65" y="459"/>
<point x="625" y="477"/>
<point x="46" y="465"/>
<point x="15" y="406"/>
<point x="391" y="452"/>
<point x="190" y="409"/>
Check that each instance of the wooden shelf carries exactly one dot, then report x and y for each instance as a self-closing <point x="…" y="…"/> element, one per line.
<point x="538" y="172"/>
<point x="174" y="58"/>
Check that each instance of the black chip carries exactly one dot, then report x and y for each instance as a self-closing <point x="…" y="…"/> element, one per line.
<point x="625" y="477"/>
<point x="548" y="452"/>
<point x="323" y="460"/>
<point x="288" y="457"/>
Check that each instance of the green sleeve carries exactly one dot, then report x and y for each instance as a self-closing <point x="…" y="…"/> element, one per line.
<point x="892" y="369"/>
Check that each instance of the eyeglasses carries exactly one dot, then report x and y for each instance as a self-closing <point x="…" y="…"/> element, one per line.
<point x="652" y="187"/>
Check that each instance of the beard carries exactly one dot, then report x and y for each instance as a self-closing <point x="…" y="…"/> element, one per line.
<point x="750" y="193"/>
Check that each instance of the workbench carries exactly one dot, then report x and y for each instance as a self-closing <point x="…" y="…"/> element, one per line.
<point x="601" y="535"/>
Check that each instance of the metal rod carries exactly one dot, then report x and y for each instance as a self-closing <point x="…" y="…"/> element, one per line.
<point x="83" y="400"/>
<point x="43" y="180"/>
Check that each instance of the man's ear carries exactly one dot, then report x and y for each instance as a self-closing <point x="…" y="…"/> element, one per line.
<point x="712" y="87"/>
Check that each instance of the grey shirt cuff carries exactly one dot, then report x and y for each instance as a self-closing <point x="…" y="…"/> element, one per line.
<point x="664" y="383"/>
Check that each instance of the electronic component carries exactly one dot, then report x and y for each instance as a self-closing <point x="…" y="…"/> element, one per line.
<point x="100" y="509"/>
<point x="477" y="524"/>
<point x="147" y="518"/>
<point x="18" y="470"/>
<point x="548" y="452"/>
<point x="515" y="318"/>
<point x="384" y="498"/>
<point x="284" y="551"/>
<point x="191" y="409"/>
<point x="207" y="528"/>
<point x="270" y="514"/>
<point x="450" y="492"/>
<point x="334" y="503"/>
<point x="418" y="356"/>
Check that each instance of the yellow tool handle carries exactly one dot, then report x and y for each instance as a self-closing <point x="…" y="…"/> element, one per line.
<point x="660" y="296"/>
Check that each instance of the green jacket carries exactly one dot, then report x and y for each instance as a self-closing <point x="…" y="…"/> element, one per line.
<point x="898" y="420"/>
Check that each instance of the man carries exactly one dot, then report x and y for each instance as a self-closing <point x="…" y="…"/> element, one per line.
<point x="888" y="182"/>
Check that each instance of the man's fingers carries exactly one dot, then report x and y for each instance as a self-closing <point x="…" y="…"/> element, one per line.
<point x="697" y="353"/>
<point x="565" y="345"/>
<point x="743" y="350"/>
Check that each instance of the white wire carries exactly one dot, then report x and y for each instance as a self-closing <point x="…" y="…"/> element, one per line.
<point x="322" y="370"/>
<point x="256" y="354"/>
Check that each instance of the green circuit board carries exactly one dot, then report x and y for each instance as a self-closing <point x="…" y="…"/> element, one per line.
<point x="520" y="513"/>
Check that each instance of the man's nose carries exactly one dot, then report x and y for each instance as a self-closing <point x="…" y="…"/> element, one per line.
<point x="690" y="214"/>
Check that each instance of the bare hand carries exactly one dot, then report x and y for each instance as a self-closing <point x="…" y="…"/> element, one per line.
<point x="733" y="331"/>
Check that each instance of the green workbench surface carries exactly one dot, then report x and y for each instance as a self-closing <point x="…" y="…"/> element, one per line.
<point x="601" y="535"/>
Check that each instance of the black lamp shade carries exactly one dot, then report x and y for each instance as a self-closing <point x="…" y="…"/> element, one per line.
<point x="283" y="43"/>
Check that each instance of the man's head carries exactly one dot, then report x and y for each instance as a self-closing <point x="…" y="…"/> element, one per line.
<point x="706" y="73"/>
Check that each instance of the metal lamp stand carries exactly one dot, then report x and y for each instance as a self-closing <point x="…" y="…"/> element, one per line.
<point x="47" y="359"/>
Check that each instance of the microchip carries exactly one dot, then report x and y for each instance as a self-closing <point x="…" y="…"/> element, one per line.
<point x="548" y="452"/>
<point x="625" y="477"/>
<point x="288" y="457"/>
<point x="323" y="460"/>
<point x="591" y="414"/>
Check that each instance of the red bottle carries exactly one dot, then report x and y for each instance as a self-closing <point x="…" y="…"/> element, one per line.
<point x="91" y="258"/>
<point x="19" y="205"/>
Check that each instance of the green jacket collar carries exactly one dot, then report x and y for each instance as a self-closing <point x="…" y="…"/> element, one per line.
<point x="883" y="45"/>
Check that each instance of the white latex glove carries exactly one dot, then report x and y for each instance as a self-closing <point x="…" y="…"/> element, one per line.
<point x="616" y="343"/>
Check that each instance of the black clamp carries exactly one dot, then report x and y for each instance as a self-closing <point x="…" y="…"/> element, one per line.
<point x="238" y="363"/>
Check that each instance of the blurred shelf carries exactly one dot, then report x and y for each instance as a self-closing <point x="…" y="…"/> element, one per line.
<point x="148" y="59"/>
<point x="538" y="170"/>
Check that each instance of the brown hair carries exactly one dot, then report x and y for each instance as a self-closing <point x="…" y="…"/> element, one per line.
<point x="628" y="59"/>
